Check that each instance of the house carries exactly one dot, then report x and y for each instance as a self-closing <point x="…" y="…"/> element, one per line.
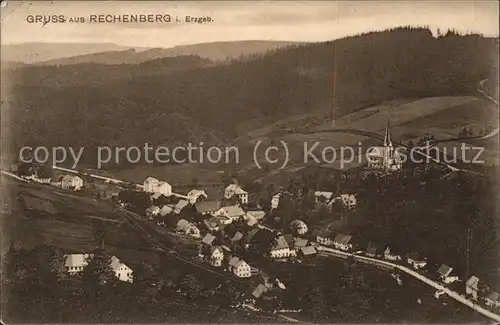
<point x="385" y="158"/>
<point x="324" y="237"/>
<point x="390" y="256"/>
<point x="444" y="272"/>
<point x="372" y="250"/>
<point x="194" y="195"/>
<point x="307" y="251"/>
<point x="237" y="237"/>
<point x="300" y="242"/>
<point x="342" y="242"/>
<point x="212" y="224"/>
<point x="187" y="228"/>
<point x="471" y="287"/>
<point x="165" y="210"/>
<point x="70" y="182"/>
<point x="416" y="262"/>
<point x="180" y="205"/>
<point x="348" y="201"/>
<point x="492" y="299"/>
<point x="76" y="262"/>
<point x="239" y="267"/>
<point x="156" y="196"/>
<point x="207" y="207"/>
<point x="122" y="271"/>
<point x="153" y="210"/>
<point x="234" y="190"/>
<point x="216" y="256"/>
<point x="208" y="239"/>
<point x="275" y="200"/>
<point x="323" y="197"/>
<point x="281" y="249"/>
<point x="299" y="227"/>
<point x="232" y="212"/>
<point x="153" y="185"/>
<point x="250" y="236"/>
<point x="253" y="217"/>
<point x="259" y="291"/>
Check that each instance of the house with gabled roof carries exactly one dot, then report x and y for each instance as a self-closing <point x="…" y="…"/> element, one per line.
<point x="208" y="207"/>
<point x="165" y="210"/>
<point x="187" y="228"/>
<point x="416" y="261"/>
<point x="234" y="190"/>
<point x="122" y="271"/>
<point x="472" y="287"/>
<point x="281" y="249"/>
<point x="342" y="242"/>
<point x="153" y="185"/>
<point x="299" y="227"/>
<point x="259" y="291"/>
<point x="325" y="237"/>
<point x="75" y="263"/>
<point x="239" y="267"/>
<point x="208" y="239"/>
<point x="216" y="256"/>
<point x="232" y="212"/>
<point x="444" y="273"/>
<point x="180" y="205"/>
<point x="492" y="299"/>
<point x="391" y="256"/>
<point x="307" y="251"/>
<point x="323" y="196"/>
<point x="196" y="195"/>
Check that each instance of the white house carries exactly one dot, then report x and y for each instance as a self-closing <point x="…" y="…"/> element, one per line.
<point x="323" y="197"/>
<point x="342" y="242"/>
<point x="76" y="262"/>
<point x="216" y="256"/>
<point x="194" y="195"/>
<point x="232" y="212"/>
<point x="275" y="200"/>
<point x="471" y="287"/>
<point x="122" y="271"/>
<point x="324" y="237"/>
<point x="152" y="185"/>
<point x="416" y="262"/>
<point x="187" y="228"/>
<point x="348" y="200"/>
<point x="281" y="249"/>
<point x="236" y="190"/>
<point x="239" y="268"/>
<point x="299" y="227"/>
<point x="444" y="273"/>
<point x="390" y="256"/>
<point x="70" y="182"/>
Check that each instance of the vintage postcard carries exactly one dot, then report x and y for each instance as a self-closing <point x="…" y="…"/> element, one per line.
<point x="250" y="162"/>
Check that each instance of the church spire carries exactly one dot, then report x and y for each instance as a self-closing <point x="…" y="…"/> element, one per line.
<point x="387" y="137"/>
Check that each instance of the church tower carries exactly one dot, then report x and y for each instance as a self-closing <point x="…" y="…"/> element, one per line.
<point x="389" y="149"/>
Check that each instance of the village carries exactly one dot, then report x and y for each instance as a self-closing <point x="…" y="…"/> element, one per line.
<point x="235" y="236"/>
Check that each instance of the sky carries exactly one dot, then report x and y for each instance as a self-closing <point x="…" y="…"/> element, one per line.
<point x="281" y="20"/>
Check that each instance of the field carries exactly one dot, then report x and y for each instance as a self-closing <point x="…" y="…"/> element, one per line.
<point x="40" y="214"/>
<point x="410" y="119"/>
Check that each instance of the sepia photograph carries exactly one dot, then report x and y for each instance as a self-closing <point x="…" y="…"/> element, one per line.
<point x="250" y="162"/>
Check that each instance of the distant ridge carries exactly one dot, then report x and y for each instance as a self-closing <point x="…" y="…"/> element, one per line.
<point x="114" y="54"/>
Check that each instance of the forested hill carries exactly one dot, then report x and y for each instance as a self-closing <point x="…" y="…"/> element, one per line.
<point x="67" y="106"/>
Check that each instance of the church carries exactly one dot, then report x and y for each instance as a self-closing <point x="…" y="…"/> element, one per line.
<point x="385" y="158"/>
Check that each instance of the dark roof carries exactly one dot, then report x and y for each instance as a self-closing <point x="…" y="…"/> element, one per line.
<point x="250" y="235"/>
<point x="289" y="239"/>
<point x="444" y="270"/>
<point x="342" y="239"/>
<point x="207" y="206"/>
